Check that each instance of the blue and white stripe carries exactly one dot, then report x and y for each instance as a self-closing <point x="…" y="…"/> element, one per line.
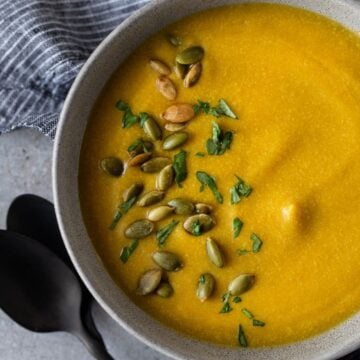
<point x="43" y="45"/>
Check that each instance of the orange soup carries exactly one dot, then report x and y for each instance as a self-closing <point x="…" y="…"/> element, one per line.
<point x="220" y="171"/>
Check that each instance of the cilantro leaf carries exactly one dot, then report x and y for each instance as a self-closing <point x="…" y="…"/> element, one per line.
<point x="226" y="308"/>
<point x="207" y="180"/>
<point x="241" y="337"/>
<point x="222" y="109"/>
<point x="144" y="116"/>
<point x="257" y="243"/>
<point x="258" y="323"/>
<point x="219" y="142"/>
<point x="116" y="218"/>
<point x="241" y="252"/>
<point x="247" y="313"/>
<point x="128" y="119"/>
<point x="180" y="168"/>
<point x="164" y="233"/>
<point x="122" y="209"/>
<point x="196" y="228"/>
<point x="239" y="190"/>
<point x="126" y="251"/>
<point x="237" y="226"/>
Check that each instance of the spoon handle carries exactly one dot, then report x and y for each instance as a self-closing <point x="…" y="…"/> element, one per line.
<point x="94" y="346"/>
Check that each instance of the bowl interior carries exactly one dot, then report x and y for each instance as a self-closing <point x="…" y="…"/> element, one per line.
<point x="83" y="94"/>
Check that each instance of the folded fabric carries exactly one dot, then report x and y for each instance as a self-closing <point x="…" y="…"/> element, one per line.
<point x="44" y="43"/>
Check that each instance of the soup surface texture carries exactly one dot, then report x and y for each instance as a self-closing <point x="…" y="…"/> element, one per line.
<point x="293" y="79"/>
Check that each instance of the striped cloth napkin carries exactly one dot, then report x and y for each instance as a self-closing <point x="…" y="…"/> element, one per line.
<point x="43" y="45"/>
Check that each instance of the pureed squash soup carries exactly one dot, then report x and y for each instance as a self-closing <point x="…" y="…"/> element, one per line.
<point x="245" y="191"/>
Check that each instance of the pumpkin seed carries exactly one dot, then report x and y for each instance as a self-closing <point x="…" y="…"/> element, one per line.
<point x="139" y="159"/>
<point x="178" y="113"/>
<point x="203" y="208"/>
<point x="165" y="178"/>
<point x="149" y="281"/>
<point x="151" y="198"/>
<point x="190" y="55"/>
<point x="198" y="224"/>
<point x="112" y="166"/>
<point x="166" y="87"/>
<point x="214" y="253"/>
<point x="173" y="127"/>
<point x="132" y="191"/>
<point x="182" y="206"/>
<point x="152" y="129"/>
<point x="193" y="75"/>
<point x="205" y="286"/>
<point x="156" y="164"/>
<point x="159" y="66"/>
<point x="167" y="260"/>
<point x="175" y="140"/>
<point x="164" y="290"/>
<point x="241" y="284"/>
<point x="139" y="229"/>
<point x="180" y="70"/>
<point x="159" y="213"/>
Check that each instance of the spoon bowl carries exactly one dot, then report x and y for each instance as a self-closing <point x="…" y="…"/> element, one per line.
<point x="34" y="216"/>
<point x="41" y="293"/>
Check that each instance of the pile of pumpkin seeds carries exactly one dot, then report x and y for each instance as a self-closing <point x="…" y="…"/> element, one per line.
<point x="198" y="217"/>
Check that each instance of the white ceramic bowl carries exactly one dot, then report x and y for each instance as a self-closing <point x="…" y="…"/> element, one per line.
<point x="85" y="90"/>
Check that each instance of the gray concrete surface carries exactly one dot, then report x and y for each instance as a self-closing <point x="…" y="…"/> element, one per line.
<point x="25" y="167"/>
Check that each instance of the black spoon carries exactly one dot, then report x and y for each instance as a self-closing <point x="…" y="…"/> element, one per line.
<point x="34" y="216"/>
<point x="40" y="292"/>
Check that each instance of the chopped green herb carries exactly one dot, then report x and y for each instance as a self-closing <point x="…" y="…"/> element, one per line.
<point x="237" y="299"/>
<point x="241" y="252"/>
<point x="126" y="206"/>
<point x="126" y="251"/>
<point x="225" y="109"/>
<point x="221" y="109"/>
<point x="196" y="228"/>
<point x="226" y="308"/>
<point x="207" y="180"/>
<point x="129" y="119"/>
<point x="122" y="209"/>
<point x="247" y="313"/>
<point x="237" y="226"/>
<point x="180" y="168"/>
<point x="220" y="141"/>
<point x="202" y="279"/>
<point x="118" y="215"/>
<point x="206" y="108"/>
<point x="257" y="243"/>
<point x="239" y="190"/>
<point x="143" y="118"/>
<point x="138" y="143"/>
<point x="164" y="233"/>
<point x="225" y="297"/>
<point x="258" y="323"/>
<point x="200" y="154"/>
<point x="241" y="337"/>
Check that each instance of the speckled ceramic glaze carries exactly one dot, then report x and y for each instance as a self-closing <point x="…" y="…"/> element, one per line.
<point x="87" y="87"/>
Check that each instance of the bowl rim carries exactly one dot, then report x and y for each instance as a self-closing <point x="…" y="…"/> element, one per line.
<point x="57" y="168"/>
